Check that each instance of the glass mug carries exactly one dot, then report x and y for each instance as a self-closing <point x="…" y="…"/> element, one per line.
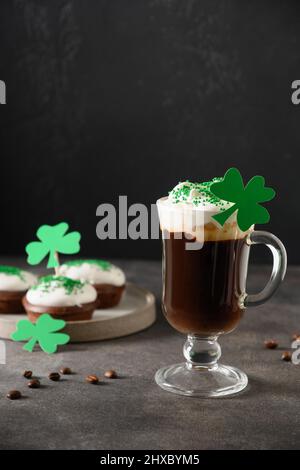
<point x="204" y="294"/>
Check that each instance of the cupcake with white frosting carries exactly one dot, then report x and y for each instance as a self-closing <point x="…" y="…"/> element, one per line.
<point x="108" y="279"/>
<point x="14" y="283"/>
<point x="61" y="297"/>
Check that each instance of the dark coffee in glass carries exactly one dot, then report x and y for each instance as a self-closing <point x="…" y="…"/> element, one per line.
<point x="203" y="289"/>
<point x="204" y="292"/>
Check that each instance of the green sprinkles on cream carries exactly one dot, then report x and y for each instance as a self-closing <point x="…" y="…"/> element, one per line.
<point x="50" y="283"/>
<point x="104" y="265"/>
<point x="11" y="271"/>
<point x="196" y="193"/>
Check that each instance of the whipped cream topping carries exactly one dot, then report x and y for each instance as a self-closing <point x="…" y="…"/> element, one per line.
<point x="93" y="271"/>
<point x="198" y="195"/>
<point x="189" y="209"/>
<point x="60" y="291"/>
<point x="15" y="279"/>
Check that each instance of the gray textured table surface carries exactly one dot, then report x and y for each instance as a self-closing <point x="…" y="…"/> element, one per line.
<point x="133" y="413"/>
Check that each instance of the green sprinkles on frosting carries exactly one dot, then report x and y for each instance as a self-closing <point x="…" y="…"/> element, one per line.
<point x="50" y="283"/>
<point x="196" y="193"/>
<point x="104" y="265"/>
<point x="11" y="271"/>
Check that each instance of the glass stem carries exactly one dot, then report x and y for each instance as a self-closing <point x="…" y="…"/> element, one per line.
<point x="201" y="352"/>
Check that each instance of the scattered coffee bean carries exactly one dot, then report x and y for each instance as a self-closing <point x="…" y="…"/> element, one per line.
<point x="110" y="374"/>
<point x="92" y="379"/>
<point x="14" y="395"/>
<point x="34" y="383"/>
<point x="27" y="374"/>
<point x="271" y="344"/>
<point x="65" y="371"/>
<point x="54" y="376"/>
<point x="286" y="356"/>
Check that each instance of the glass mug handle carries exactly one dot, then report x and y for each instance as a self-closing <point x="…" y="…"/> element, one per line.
<point x="279" y="266"/>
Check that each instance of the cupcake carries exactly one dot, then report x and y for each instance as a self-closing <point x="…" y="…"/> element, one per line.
<point x="108" y="280"/>
<point x="14" y="283"/>
<point x="61" y="297"/>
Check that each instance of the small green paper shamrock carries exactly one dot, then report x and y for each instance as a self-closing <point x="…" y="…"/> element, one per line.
<point x="43" y="332"/>
<point x="246" y="199"/>
<point x="53" y="239"/>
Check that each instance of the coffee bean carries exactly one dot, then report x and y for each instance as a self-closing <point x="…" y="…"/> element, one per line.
<point x="27" y="374"/>
<point x="65" y="371"/>
<point x="271" y="344"/>
<point x="92" y="379"/>
<point x="34" y="383"/>
<point x="14" y="395"/>
<point x="286" y="356"/>
<point x="296" y="336"/>
<point x="54" y="376"/>
<point x="110" y="374"/>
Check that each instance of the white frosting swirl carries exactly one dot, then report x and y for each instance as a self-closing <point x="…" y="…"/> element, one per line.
<point x="94" y="273"/>
<point x="17" y="282"/>
<point x="54" y="294"/>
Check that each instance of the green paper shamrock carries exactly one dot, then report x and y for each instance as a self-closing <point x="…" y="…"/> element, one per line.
<point x="246" y="199"/>
<point x="53" y="240"/>
<point x="43" y="332"/>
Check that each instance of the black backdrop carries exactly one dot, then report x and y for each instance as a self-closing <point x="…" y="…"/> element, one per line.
<point x="109" y="97"/>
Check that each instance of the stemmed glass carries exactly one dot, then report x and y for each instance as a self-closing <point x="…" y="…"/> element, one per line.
<point x="204" y="295"/>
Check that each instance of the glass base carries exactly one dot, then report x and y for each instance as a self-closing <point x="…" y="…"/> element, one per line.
<point x="215" y="381"/>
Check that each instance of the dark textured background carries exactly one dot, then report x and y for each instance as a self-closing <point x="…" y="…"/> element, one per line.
<point x="109" y="97"/>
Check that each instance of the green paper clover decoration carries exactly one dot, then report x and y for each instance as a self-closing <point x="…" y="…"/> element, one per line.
<point x="246" y="199"/>
<point x="53" y="240"/>
<point x="44" y="332"/>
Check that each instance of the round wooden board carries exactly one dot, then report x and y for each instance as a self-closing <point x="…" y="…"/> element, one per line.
<point x="135" y="312"/>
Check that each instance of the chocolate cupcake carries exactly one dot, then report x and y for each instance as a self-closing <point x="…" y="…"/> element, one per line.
<point x="61" y="297"/>
<point x="108" y="279"/>
<point x="14" y="283"/>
